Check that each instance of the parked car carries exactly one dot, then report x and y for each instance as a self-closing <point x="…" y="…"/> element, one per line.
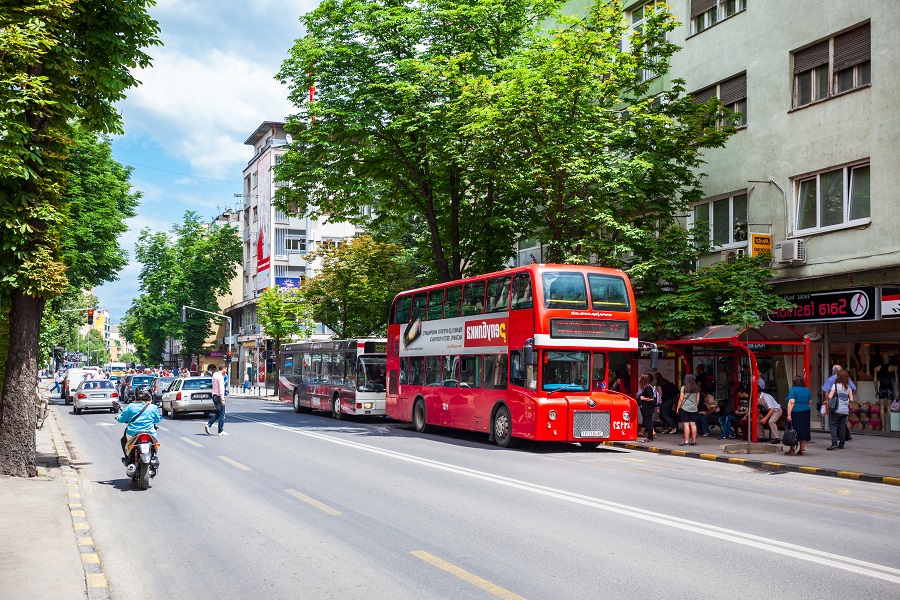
<point x="128" y="385"/>
<point x="158" y="386"/>
<point x="96" y="394"/>
<point x="188" y="394"/>
<point x="72" y="379"/>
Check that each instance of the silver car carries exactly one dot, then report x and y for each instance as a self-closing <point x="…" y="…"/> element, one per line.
<point x="188" y="394"/>
<point x="95" y="394"/>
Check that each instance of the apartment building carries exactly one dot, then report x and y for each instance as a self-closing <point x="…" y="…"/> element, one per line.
<point x="809" y="166"/>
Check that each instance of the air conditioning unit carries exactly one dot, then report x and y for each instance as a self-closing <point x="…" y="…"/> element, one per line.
<point x="730" y="255"/>
<point x="790" y="251"/>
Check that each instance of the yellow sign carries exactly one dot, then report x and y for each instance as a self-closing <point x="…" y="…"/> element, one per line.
<point x="760" y="243"/>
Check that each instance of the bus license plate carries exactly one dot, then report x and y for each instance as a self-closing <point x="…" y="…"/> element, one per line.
<point x="592" y="434"/>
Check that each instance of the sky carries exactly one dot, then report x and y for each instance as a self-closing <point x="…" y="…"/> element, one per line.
<point x="211" y="85"/>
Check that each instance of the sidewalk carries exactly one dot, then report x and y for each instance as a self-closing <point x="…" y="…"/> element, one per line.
<point x="39" y="556"/>
<point x="865" y="458"/>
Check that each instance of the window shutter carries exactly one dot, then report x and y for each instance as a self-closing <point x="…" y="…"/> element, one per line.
<point x="810" y="58"/>
<point x="701" y="6"/>
<point x="852" y="48"/>
<point x="733" y="90"/>
<point x="703" y="96"/>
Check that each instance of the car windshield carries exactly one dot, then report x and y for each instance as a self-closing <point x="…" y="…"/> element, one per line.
<point x="101" y="384"/>
<point x="163" y="381"/>
<point x="197" y="384"/>
<point x="565" y="370"/>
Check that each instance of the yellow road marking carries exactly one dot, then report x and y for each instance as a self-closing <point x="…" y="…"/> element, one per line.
<point x="78" y="513"/>
<point x="192" y="442"/>
<point x="90" y="557"/>
<point x="708" y="456"/>
<point x="891" y="480"/>
<point x="78" y="526"/>
<point x="86" y="541"/>
<point x="95" y="580"/>
<point x="466" y="576"/>
<point x="849" y="474"/>
<point x="313" y="502"/>
<point x="235" y="463"/>
<point x="737" y="461"/>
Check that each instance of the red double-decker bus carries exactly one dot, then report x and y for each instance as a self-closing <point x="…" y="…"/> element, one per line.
<point x="526" y="353"/>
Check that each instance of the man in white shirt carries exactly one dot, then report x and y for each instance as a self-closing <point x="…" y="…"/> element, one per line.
<point x="218" y="394"/>
<point x="769" y="413"/>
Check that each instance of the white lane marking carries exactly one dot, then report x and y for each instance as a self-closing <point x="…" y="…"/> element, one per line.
<point x="313" y="502"/>
<point x="192" y="442"/>
<point x="161" y="428"/>
<point x="102" y="424"/>
<point x="235" y="463"/>
<point x="829" y="559"/>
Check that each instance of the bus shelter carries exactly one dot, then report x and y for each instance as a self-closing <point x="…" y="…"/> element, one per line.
<point x="773" y="351"/>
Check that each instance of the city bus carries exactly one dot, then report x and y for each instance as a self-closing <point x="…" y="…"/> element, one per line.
<point x="526" y="353"/>
<point x="343" y="377"/>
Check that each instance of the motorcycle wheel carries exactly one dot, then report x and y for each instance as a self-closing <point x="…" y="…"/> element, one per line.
<point x="144" y="477"/>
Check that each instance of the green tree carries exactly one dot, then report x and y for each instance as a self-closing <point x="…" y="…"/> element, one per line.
<point x="355" y="286"/>
<point x="62" y="61"/>
<point x="192" y="267"/>
<point x="94" y="347"/>
<point x="283" y="315"/>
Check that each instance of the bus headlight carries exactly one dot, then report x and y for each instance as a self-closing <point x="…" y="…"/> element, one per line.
<point x="626" y="416"/>
<point x="552" y="415"/>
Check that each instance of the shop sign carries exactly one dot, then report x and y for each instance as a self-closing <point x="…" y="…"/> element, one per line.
<point x="857" y="304"/>
<point x="760" y="243"/>
<point x="890" y="303"/>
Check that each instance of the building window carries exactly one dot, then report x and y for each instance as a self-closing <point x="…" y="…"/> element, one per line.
<point x="833" y="198"/>
<point x="638" y="18"/>
<point x="733" y="94"/>
<point x="281" y="217"/>
<point x="834" y="66"/>
<point x="706" y="13"/>
<point x="723" y="221"/>
<point x="295" y="241"/>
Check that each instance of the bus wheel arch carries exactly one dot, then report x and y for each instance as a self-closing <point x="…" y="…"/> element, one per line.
<point x="501" y="426"/>
<point x="420" y="415"/>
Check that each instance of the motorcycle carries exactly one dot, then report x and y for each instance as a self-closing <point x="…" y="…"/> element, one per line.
<point x="141" y="461"/>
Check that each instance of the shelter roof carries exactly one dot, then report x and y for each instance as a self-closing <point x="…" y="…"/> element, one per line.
<point x="767" y="333"/>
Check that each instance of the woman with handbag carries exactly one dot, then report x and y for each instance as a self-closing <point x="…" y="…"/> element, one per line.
<point x="798" y="414"/>
<point x="839" y="399"/>
<point x="647" y="404"/>
<point x="688" y="407"/>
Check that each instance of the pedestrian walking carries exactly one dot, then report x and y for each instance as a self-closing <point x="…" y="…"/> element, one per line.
<point x="829" y="383"/>
<point x="56" y="381"/>
<point x="688" y="407"/>
<point x="647" y="403"/>
<point x="218" y="394"/>
<point x="799" y="412"/>
<point x="247" y="381"/>
<point x="837" y="416"/>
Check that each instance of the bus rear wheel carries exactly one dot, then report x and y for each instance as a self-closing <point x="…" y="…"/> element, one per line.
<point x="503" y="429"/>
<point x="419" y="416"/>
<point x="336" y="408"/>
<point x="296" y="401"/>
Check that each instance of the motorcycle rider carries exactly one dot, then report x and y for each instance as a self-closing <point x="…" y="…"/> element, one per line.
<point x="140" y="415"/>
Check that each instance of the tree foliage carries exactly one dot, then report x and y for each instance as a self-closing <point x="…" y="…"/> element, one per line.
<point x="192" y="267"/>
<point x="62" y="62"/>
<point x="354" y="287"/>
<point x="283" y="315"/>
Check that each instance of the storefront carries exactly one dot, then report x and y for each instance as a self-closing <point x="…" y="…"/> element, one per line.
<point x="859" y="329"/>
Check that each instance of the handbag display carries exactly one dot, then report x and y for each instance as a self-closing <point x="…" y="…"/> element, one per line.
<point x="895" y="405"/>
<point x="789" y="438"/>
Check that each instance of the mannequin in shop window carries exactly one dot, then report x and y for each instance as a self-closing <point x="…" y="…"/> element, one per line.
<point x="886" y="378"/>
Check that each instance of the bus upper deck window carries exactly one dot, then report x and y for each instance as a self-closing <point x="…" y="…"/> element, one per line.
<point x="608" y="292"/>
<point x="453" y="302"/>
<point x="402" y="313"/>
<point x="564" y="290"/>
<point x="473" y="303"/>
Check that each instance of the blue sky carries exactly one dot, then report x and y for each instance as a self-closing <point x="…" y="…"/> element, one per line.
<point x="212" y="83"/>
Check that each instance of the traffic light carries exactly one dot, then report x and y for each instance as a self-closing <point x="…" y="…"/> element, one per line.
<point x="229" y="357"/>
<point x="90" y="316"/>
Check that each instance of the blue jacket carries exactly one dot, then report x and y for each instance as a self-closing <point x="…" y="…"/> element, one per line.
<point x="829" y="383"/>
<point x="146" y="422"/>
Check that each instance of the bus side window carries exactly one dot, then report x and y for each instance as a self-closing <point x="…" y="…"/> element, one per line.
<point x="433" y="370"/>
<point x="452" y="302"/>
<point x="418" y="307"/>
<point x="416" y="370"/>
<point x="404" y="368"/>
<point x="287" y="365"/>
<point x="470" y="371"/>
<point x="435" y="304"/>
<point x="498" y="294"/>
<point x="521" y="291"/>
<point x="473" y="303"/>
<point x="598" y="371"/>
<point x="401" y="315"/>
<point x="495" y="372"/>
<point x="449" y="375"/>
<point x="517" y="368"/>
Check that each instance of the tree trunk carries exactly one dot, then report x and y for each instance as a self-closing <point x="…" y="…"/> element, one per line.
<point x="17" y="430"/>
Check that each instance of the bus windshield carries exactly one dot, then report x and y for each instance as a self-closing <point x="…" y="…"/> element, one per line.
<point x="564" y="290"/>
<point x="565" y="369"/>
<point x="371" y="374"/>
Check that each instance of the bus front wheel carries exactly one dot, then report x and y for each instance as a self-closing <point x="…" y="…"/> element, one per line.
<point x="336" y="408"/>
<point x="419" y="414"/>
<point x="296" y="401"/>
<point x="503" y="428"/>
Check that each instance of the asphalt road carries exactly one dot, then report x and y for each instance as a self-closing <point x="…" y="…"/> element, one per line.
<point x="303" y="506"/>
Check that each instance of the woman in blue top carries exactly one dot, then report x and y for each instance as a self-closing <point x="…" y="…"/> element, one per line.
<point x="798" y="412"/>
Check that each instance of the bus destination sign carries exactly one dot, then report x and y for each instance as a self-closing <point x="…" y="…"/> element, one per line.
<point x="857" y="304"/>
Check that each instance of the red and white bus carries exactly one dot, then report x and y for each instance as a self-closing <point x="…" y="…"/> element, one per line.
<point x="343" y="377"/>
<point x="526" y="353"/>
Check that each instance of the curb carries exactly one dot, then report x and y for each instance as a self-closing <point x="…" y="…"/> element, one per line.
<point x="761" y="464"/>
<point x="95" y="580"/>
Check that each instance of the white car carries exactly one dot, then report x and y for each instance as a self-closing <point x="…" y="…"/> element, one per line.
<point x="188" y="394"/>
<point x="96" y="393"/>
<point x="72" y="380"/>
